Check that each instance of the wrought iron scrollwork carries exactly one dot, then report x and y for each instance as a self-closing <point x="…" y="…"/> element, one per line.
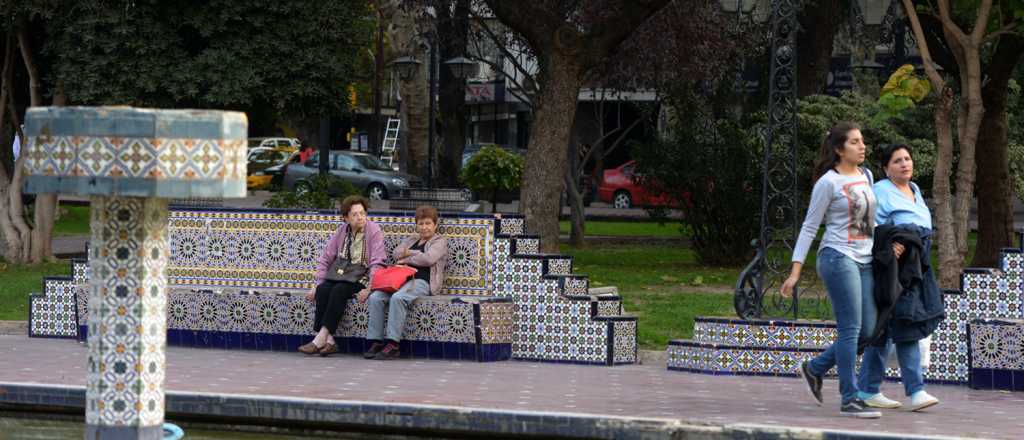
<point x="755" y="296"/>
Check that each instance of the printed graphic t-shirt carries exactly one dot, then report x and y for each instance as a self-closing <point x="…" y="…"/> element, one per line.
<point x="846" y="204"/>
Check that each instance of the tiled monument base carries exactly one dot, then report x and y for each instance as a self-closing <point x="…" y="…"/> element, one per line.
<point x="997" y="354"/>
<point x="237" y="278"/>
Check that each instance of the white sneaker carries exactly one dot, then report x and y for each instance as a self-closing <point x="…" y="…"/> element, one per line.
<point x="921" y="400"/>
<point x="880" y="401"/>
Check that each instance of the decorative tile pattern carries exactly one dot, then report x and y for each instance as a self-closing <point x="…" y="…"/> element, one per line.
<point x="191" y="153"/>
<point x="609" y="307"/>
<point x="496" y="323"/>
<point x="53" y="314"/>
<point x="997" y="345"/>
<point x="559" y="266"/>
<point x="512" y="226"/>
<point x="714" y="359"/>
<point x="764" y="335"/>
<point x="997" y="354"/>
<point x="624" y="350"/>
<point x="269" y="250"/>
<point x="127" y="324"/>
<point x="80" y="273"/>
<point x="526" y="246"/>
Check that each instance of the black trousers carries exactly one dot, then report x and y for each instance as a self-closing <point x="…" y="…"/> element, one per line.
<point x="331" y="299"/>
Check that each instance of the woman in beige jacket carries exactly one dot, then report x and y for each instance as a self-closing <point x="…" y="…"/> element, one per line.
<point x="426" y="252"/>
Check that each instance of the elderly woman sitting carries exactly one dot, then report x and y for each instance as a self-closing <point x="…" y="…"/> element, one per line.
<point x="426" y="252"/>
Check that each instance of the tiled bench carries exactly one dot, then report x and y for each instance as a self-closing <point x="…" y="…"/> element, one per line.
<point x="996" y="354"/>
<point x="237" y="280"/>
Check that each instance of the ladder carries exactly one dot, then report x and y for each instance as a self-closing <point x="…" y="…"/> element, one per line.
<point x="387" y="147"/>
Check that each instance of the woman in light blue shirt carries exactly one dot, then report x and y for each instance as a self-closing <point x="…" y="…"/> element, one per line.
<point x="899" y="203"/>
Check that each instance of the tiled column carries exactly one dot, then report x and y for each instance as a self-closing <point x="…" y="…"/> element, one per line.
<point x="130" y="162"/>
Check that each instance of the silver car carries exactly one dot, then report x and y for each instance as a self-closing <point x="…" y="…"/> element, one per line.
<point x="362" y="170"/>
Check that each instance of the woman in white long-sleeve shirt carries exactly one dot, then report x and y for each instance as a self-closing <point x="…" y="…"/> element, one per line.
<point x="843" y="200"/>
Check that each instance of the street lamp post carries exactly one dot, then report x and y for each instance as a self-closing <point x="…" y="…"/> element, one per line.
<point x="407" y="66"/>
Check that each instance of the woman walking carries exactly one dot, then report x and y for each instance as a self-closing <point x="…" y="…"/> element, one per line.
<point x="912" y="312"/>
<point x="843" y="200"/>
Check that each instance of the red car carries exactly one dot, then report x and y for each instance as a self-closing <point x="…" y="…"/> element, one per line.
<point x="623" y="188"/>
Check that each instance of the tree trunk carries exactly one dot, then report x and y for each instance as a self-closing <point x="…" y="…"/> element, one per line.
<point x="17" y="233"/>
<point x="46" y="204"/>
<point x="949" y="260"/>
<point x="453" y="32"/>
<point x="995" y="200"/>
<point x="577" y="216"/>
<point x="814" y="45"/>
<point x="546" y="157"/>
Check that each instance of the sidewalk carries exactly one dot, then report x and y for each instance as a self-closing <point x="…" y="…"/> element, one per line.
<point x="512" y="397"/>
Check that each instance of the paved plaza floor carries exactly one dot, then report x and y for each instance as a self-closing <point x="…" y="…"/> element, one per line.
<point x="637" y="391"/>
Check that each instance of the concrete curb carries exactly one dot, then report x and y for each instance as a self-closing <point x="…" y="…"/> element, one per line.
<point x="16" y="328"/>
<point x="396" y="418"/>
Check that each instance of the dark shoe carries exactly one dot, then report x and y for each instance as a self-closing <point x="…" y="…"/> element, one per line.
<point x="813" y="382"/>
<point x="374" y="349"/>
<point x="389" y="352"/>
<point x="328" y="349"/>
<point x="309" y="348"/>
<point x="858" y="409"/>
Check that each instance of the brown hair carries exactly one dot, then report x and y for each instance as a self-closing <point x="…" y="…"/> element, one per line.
<point x="886" y="154"/>
<point x="835" y="139"/>
<point x="426" y="211"/>
<point x="346" y="204"/>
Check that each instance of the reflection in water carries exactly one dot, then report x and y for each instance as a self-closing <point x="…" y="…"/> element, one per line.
<point x="16" y="427"/>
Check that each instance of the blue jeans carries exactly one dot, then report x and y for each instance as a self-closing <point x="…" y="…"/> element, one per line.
<point x="872" y="368"/>
<point x="849" y="286"/>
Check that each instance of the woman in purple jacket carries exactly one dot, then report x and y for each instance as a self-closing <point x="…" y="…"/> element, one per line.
<point x="362" y="242"/>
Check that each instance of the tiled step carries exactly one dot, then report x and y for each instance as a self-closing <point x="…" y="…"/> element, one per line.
<point x="722" y="359"/>
<point x="606" y="306"/>
<point x="525" y="245"/>
<point x="53" y="313"/>
<point x="511" y="225"/>
<point x="764" y="334"/>
<point x="557" y="265"/>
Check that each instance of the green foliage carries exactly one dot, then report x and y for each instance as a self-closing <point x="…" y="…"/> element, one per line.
<point x="323" y="192"/>
<point x="711" y="168"/>
<point x="492" y="169"/>
<point x="296" y="57"/>
<point x="914" y="126"/>
<point x="1016" y="156"/>
<point x="900" y="93"/>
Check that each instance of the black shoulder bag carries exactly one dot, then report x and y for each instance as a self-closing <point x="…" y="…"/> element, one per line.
<point x="342" y="268"/>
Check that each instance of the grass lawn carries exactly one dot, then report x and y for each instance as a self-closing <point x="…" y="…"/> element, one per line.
<point x="19" y="281"/>
<point x="664" y="286"/>
<point x="74" y="220"/>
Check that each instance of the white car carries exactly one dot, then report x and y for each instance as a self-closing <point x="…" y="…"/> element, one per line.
<point x="274" y="142"/>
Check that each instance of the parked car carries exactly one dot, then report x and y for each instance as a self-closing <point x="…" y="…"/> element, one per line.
<point x="260" y="160"/>
<point x="274" y="142"/>
<point x="623" y="188"/>
<point x="360" y="169"/>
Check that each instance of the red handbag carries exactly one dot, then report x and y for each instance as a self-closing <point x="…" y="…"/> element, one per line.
<point x="390" y="279"/>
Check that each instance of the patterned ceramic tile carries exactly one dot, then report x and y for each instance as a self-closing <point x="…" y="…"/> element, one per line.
<point x="190" y="152"/>
<point x="127" y="323"/>
<point x="526" y="246"/>
<point x="512" y="226"/>
<point x="559" y="266"/>
<point x="624" y="350"/>
<point x="266" y="251"/>
<point x="997" y="345"/>
<point x="609" y="308"/>
<point x="53" y="313"/>
<point x="496" y="323"/>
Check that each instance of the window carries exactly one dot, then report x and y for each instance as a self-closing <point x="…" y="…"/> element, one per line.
<point x="343" y="162"/>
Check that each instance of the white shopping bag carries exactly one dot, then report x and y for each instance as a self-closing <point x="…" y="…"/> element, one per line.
<point x="925" y="345"/>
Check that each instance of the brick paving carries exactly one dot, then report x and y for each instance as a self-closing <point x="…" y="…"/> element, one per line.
<point x="630" y="391"/>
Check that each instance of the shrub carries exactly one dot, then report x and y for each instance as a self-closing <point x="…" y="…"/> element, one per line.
<point x="492" y="169"/>
<point x="323" y="193"/>
<point x="712" y="170"/>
